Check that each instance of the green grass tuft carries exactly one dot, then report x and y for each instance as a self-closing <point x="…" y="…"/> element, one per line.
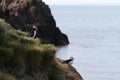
<point x="20" y="54"/>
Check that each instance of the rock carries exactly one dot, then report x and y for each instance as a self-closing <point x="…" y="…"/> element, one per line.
<point x="36" y="13"/>
<point x="61" y="38"/>
<point x="69" y="72"/>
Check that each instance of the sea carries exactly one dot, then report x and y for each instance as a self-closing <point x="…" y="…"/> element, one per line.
<point x="94" y="35"/>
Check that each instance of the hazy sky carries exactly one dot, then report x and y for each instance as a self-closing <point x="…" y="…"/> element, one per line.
<point x="82" y="2"/>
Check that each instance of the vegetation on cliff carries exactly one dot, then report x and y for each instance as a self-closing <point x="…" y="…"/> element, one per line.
<point x="23" y="57"/>
<point x="68" y="71"/>
<point x="20" y="55"/>
<point x="24" y="14"/>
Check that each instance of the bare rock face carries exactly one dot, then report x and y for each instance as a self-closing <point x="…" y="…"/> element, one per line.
<point x="23" y="14"/>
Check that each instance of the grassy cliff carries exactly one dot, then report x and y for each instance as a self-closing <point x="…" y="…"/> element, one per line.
<point x="22" y="57"/>
<point x="24" y="14"/>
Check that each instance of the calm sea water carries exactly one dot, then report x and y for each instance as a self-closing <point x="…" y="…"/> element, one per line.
<point x="94" y="34"/>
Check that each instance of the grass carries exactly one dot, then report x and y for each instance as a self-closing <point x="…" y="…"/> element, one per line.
<point x="24" y="57"/>
<point x="68" y="71"/>
<point x="20" y="54"/>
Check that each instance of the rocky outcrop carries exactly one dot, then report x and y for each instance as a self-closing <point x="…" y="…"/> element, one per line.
<point x="23" y="14"/>
<point x="24" y="58"/>
<point x="69" y="72"/>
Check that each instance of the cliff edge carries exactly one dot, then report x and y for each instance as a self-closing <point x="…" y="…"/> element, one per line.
<point x="25" y="58"/>
<point x="24" y="14"/>
<point x="69" y="72"/>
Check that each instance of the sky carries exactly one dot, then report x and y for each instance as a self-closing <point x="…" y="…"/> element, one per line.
<point x="82" y="2"/>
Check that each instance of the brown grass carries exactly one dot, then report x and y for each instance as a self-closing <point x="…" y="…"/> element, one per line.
<point x="69" y="71"/>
